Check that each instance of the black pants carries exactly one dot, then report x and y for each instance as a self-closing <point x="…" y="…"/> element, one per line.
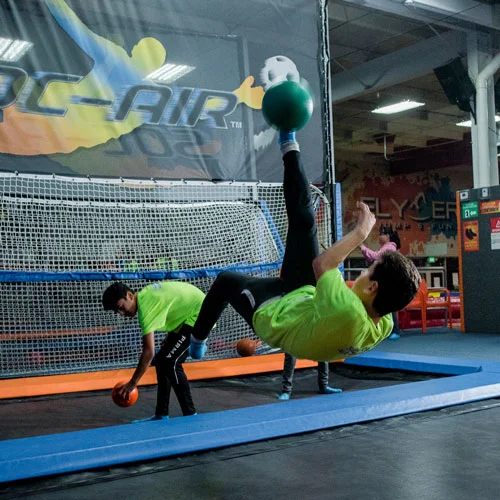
<point x="170" y="372"/>
<point x="246" y="294"/>
<point x="289" y="370"/>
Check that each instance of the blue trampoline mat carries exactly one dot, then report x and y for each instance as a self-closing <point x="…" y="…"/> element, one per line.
<point x="471" y="380"/>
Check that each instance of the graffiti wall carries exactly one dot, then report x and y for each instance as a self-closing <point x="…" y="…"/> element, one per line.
<point x="419" y="206"/>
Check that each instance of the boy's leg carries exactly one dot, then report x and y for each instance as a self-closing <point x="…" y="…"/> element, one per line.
<point x="244" y="293"/>
<point x="323" y="387"/>
<point x="225" y="289"/>
<point x="395" y="329"/>
<point x="322" y="374"/>
<point x="173" y="353"/>
<point x="302" y="237"/>
<point x="182" y="389"/>
<point x="163" y="390"/>
<point x="178" y="378"/>
<point x="287" y="380"/>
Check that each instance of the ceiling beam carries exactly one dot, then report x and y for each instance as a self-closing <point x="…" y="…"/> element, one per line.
<point x="458" y="14"/>
<point x="403" y="65"/>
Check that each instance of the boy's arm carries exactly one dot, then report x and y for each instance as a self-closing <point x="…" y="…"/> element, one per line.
<point x="148" y="352"/>
<point x="332" y="257"/>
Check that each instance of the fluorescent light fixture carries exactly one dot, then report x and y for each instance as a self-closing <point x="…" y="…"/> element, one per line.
<point x="13" y="50"/>
<point x="169" y="72"/>
<point x="398" y="107"/>
<point x="468" y="123"/>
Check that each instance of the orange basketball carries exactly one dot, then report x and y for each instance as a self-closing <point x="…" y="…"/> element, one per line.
<point x="124" y="403"/>
<point x="246" y="347"/>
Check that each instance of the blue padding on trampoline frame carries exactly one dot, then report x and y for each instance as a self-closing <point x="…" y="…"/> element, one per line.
<point x="62" y="453"/>
<point x="418" y="363"/>
<point x="208" y="272"/>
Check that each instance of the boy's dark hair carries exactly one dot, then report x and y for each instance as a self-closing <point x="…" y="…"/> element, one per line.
<point x="398" y="282"/>
<point x="113" y="294"/>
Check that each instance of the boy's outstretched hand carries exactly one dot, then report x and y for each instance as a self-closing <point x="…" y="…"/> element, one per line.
<point x="366" y="220"/>
<point x="332" y="257"/>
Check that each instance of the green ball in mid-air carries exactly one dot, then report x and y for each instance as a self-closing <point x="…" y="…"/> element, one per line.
<point x="287" y="106"/>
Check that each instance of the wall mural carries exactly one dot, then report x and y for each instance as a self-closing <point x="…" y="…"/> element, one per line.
<point x="420" y="206"/>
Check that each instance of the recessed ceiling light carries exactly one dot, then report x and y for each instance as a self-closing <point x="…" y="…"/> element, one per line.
<point x="398" y="107"/>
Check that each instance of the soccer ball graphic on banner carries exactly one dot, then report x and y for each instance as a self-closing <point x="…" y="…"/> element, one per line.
<point x="278" y="69"/>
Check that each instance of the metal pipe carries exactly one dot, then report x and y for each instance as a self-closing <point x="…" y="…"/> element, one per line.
<point x="482" y="120"/>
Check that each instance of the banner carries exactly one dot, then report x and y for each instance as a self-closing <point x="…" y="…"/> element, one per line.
<point x="158" y="88"/>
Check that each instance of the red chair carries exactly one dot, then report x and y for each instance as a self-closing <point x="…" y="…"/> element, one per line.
<point x="417" y="304"/>
<point x="440" y="302"/>
<point x="423" y="303"/>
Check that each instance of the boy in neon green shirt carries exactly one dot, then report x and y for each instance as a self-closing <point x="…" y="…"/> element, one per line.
<point x="309" y="311"/>
<point x="167" y="306"/>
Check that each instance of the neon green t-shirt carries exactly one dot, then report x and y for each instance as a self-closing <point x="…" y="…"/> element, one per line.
<point x="321" y="323"/>
<point x="167" y="305"/>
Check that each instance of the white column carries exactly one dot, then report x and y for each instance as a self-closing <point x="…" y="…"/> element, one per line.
<point x="492" y="130"/>
<point x="484" y="137"/>
<point x="486" y="128"/>
<point x="476" y="61"/>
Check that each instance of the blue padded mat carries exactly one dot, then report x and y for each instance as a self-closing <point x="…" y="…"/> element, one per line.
<point x="75" y="451"/>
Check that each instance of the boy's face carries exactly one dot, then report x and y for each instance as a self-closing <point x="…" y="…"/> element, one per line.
<point x="364" y="284"/>
<point x="127" y="307"/>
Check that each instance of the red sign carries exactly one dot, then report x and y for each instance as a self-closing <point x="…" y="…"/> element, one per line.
<point x="495" y="225"/>
<point x="495" y="233"/>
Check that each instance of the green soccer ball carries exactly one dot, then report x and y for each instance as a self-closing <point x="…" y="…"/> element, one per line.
<point x="287" y="106"/>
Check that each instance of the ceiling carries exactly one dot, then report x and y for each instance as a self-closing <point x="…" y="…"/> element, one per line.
<point x="383" y="51"/>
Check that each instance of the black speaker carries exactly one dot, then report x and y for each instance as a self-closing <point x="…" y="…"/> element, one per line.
<point x="456" y="83"/>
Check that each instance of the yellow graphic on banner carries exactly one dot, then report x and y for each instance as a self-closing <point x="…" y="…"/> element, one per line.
<point x="26" y="133"/>
<point x="32" y="134"/>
